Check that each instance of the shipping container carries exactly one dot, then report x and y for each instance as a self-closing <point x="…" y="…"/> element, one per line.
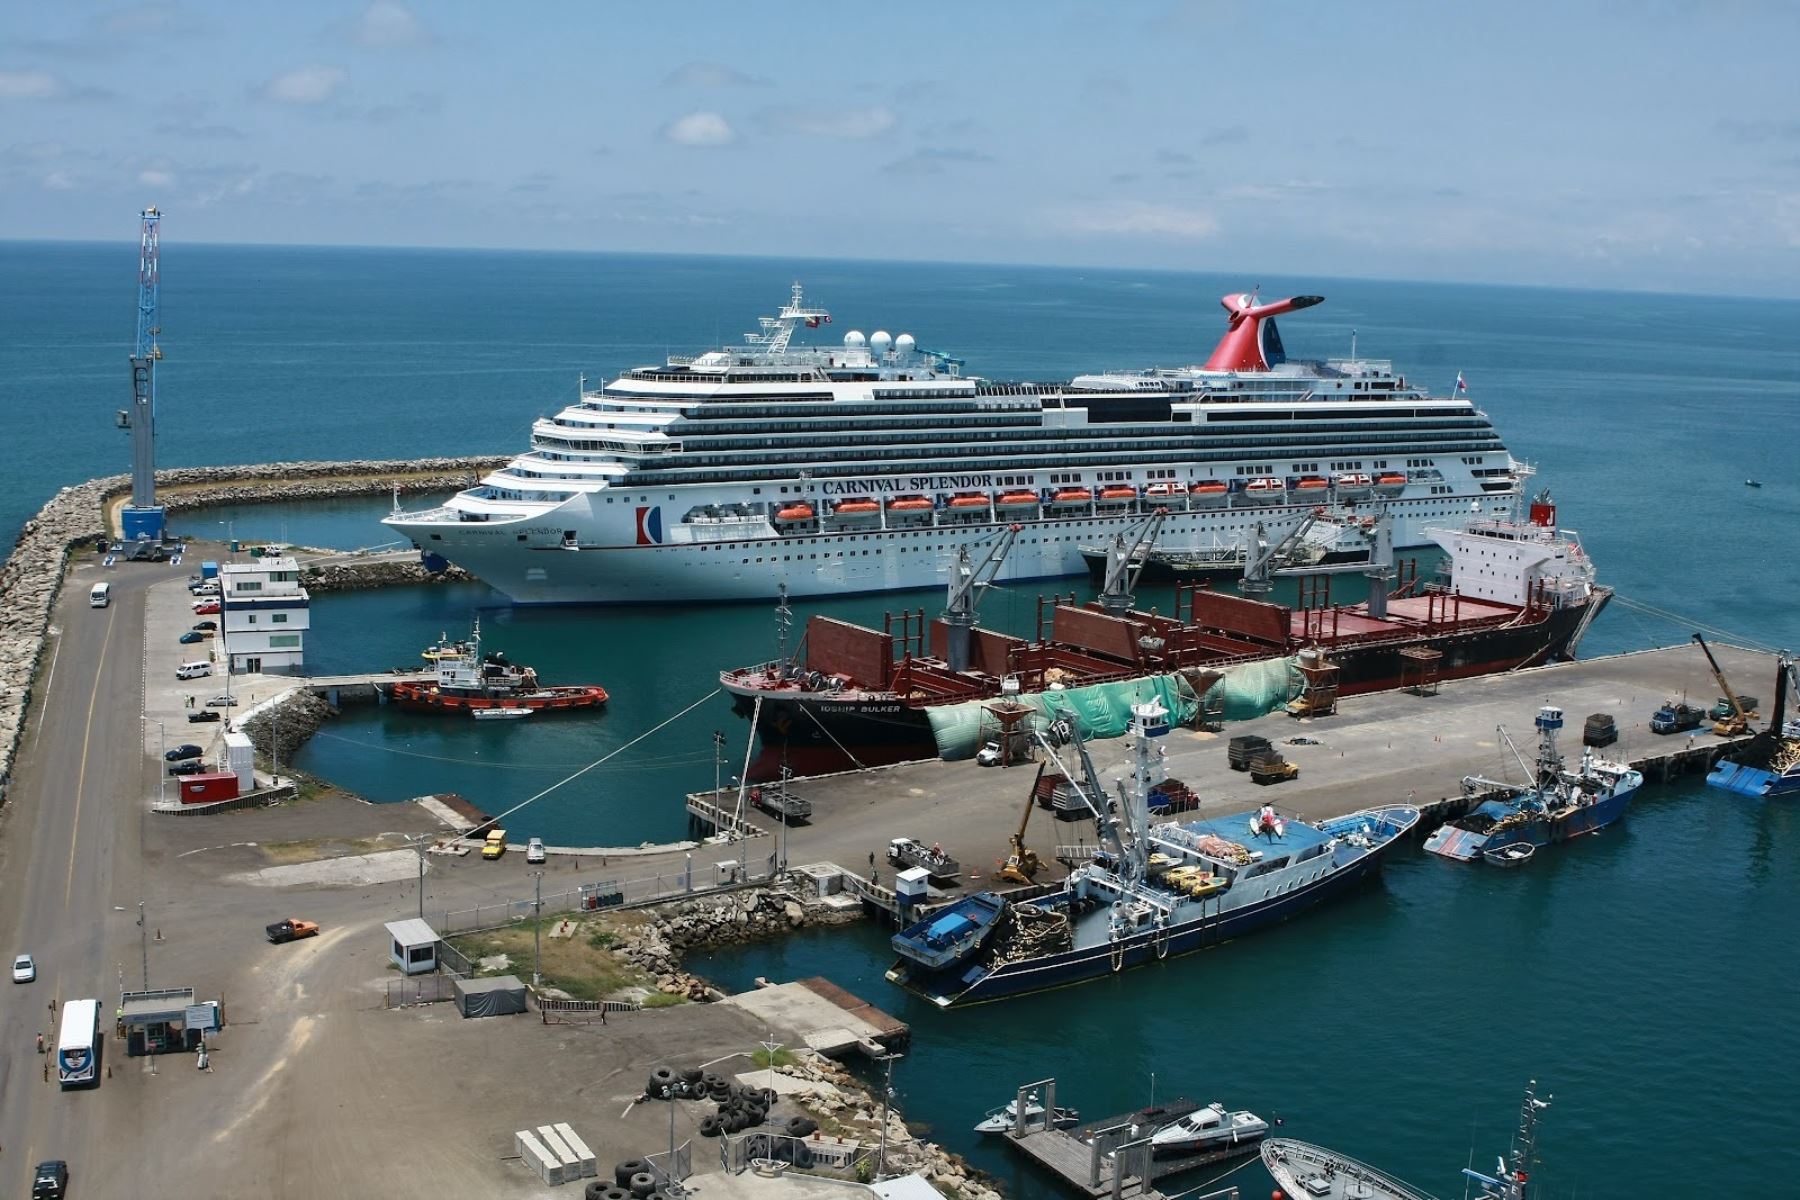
<point x="209" y="788"/>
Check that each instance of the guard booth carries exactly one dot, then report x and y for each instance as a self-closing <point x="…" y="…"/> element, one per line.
<point x="163" y="1021"/>
<point x="412" y="946"/>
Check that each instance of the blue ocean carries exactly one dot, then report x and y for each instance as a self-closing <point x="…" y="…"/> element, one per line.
<point x="1643" y="977"/>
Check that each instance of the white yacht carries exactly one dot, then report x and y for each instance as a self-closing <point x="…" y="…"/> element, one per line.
<point x="865" y="466"/>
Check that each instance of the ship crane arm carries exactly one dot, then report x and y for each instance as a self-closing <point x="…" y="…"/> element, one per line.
<point x="1740" y="720"/>
<point x="1126" y="559"/>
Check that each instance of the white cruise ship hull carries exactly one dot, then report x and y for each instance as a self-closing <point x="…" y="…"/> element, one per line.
<point x="615" y="555"/>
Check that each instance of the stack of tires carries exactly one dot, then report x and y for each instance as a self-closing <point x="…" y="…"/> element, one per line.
<point x="740" y="1106"/>
<point x="632" y="1180"/>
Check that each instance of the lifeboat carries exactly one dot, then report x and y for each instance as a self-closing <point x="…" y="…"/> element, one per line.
<point x="1390" y="481"/>
<point x="856" y="507"/>
<point x="1209" y="491"/>
<point x="1118" y="491"/>
<point x="1018" y="500"/>
<point x="969" y="500"/>
<point x="795" y="512"/>
<point x="1172" y="489"/>
<point x="1265" y="489"/>
<point x="1354" y="485"/>
<point x="1072" y="496"/>
<point x="1311" y="483"/>
<point x="909" y="504"/>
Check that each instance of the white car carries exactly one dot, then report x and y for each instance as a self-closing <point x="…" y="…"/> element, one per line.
<point x="534" y="850"/>
<point x="24" y="969"/>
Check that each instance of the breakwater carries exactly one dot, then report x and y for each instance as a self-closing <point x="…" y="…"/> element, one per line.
<point x="32" y="575"/>
<point x="352" y="576"/>
<point x="659" y="943"/>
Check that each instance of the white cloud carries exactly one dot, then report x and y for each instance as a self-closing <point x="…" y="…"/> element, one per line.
<point x="29" y="85"/>
<point x="58" y="181"/>
<point x="851" y="123"/>
<point x="305" y="85"/>
<point x="155" y="177"/>
<point x="1139" y="218"/>
<point x="700" y="129"/>
<point x="386" y="24"/>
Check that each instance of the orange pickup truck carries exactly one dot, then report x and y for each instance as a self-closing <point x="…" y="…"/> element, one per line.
<point x="292" y="929"/>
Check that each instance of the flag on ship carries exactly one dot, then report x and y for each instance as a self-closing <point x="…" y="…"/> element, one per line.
<point x="1460" y="385"/>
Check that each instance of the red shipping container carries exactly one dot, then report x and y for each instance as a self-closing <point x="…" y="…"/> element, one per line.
<point x="208" y="788"/>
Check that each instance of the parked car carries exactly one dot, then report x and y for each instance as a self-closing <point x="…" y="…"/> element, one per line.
<point x="24" y="969"/>
<point x="192" y="766"/>
<point x="206" y="626"/>
<point x="185" y="750"/>
<point x="201" y="715"/>
<point x="191" y="636"/>
<point x="205" y="607"/>
<point x="222" y="700"/>
<point x="534" y="850"/>
<point x="51" y="1182"/>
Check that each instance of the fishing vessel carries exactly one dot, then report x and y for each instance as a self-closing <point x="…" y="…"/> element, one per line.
<point x="1308" y="1172"/>
<point x="1156" y="892"/>
<point x="865" y="466"/>
<point x="489" y="686"/>
<point x="1559" y="804"/>
<point x="1520" y="591"/>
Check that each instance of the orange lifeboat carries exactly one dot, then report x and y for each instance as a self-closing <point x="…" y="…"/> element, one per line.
<point x="1390" y="479"/>
<point x="1311" y="483"/>
<point x="1078" y="495"/>
<point x="909" y="504"/>
<point x="1018" y="499"/>
<point x="1354" y="482"/>
<point x="1170" y="489"/>
<point x="852" y="507"/>
<point x="1118" y="491"/>
<point x="795" y="512"/>
<point x="969" y="500"/>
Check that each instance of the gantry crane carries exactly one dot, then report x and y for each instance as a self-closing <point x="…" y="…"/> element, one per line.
<point x="142" y="519"/>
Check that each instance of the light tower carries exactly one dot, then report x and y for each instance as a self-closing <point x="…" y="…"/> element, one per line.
<point x="142" y="519"/>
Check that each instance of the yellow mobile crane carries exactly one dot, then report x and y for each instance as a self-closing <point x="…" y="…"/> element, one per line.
<point x="1022" y="862"/>
<point x="1738" y="723"/>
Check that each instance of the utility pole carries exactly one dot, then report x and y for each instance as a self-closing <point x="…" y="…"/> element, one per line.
<point x="419" y="844"/>
<point x="887" y="1095"/>
<point x="275" y="744"/>
<point x="144" y="943"/>
<point x="718" y="761"/>
<point x="786" y="774"/>
<point x="162" y="785"/>
<point x="537" y="936"/>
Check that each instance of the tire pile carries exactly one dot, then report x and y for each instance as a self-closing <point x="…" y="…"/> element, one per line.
<point x="739" y="1107"/>
<point x="632" y="1180"/>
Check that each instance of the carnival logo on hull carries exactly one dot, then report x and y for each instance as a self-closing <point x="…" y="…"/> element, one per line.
<point x="649" y="525"/>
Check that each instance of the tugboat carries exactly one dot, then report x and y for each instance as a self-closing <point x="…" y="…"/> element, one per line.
<point x="469" y="682"/>
<point x="1561" y="804"/>
<point x="1306" y="1170"/>
<point x="1152" y="894"/>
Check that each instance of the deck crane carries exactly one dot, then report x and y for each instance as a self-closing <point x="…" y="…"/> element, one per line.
<point x="1738" y="723"/>
<point x="968" y="582"/>
<point x="1125" y="559"/>
<point x="142" y="519"/>
<point x="1260" y="556"/>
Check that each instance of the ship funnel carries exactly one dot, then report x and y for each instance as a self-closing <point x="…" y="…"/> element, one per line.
<point x="1251" y="342"/>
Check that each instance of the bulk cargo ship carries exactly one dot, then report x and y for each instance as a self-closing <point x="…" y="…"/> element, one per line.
<point x="1154" y="893"/>
<point x="865" y="467"/>
<point x="1520" y="592"/>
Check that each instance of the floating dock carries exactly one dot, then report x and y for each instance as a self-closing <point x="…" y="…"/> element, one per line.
<point x="826" y="1017"/>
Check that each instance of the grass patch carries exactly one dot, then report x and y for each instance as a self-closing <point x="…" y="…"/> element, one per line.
<point x="783" y="1058"/>
<point x="314" y="849"/>
<point x="574" y="964"/>
<point x="662" y="1000"/>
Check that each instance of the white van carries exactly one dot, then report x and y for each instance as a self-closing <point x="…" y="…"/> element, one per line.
<point x="193" y="670"/>
<point x="100" y="595"/>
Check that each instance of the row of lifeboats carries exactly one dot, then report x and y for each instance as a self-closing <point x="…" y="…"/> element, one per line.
<point x="1205" y="492"/>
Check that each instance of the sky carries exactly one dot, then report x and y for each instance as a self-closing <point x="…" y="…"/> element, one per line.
<point x="1633" y="144"/>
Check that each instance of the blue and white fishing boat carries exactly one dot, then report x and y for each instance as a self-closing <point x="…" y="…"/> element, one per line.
<point x="1156" y="893"/>
<point x="1558" y="805"/>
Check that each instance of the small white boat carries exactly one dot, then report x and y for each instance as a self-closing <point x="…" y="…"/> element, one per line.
<point x="1515" y="855"/>
<point x="502" y="713"/>
<point x="1000" y="1120"/>
<point x="1206" y="1129"/>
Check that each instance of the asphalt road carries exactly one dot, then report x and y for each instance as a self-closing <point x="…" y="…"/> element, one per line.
<point x="69" y="883"/>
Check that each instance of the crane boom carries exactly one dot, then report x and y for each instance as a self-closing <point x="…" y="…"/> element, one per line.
<point x="1125" y="560"/>
<point x="1740" y="720"/>
<point x="968" y="583"/>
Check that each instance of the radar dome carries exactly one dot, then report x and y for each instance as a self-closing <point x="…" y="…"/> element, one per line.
<point x="904" y="344"/>
<point x="879" y="341"/>
<point x="855" y="338"/>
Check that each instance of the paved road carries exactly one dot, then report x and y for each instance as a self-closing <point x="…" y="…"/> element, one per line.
<point x="72" y="829"/>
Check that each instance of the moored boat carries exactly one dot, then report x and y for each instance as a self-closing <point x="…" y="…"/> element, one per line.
<point x="1209" y="1128"/>
<point x="1004" y="1119"/>
<point x="468" y="681"/>
<point x="508" y="712"/>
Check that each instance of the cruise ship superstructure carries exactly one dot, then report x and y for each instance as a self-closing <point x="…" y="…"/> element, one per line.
<point x="864" y="466"/>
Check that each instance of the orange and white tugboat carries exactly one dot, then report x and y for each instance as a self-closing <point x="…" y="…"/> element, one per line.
<point x="468" y="682"/>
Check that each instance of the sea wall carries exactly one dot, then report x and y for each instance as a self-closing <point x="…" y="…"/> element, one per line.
<point x="32" y="575"/>
<point x="355" y="576"/>
<point x="755" y="914"/>
<point x="286" y="724"/>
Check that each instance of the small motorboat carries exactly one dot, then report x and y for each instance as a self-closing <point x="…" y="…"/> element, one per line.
<point x="505" y="712"/>
<point x="1207" y="1129"/>
<point x="1515" y="855"/>
<point x="1752" y="483"/>
<point x="1000" y="1120"/>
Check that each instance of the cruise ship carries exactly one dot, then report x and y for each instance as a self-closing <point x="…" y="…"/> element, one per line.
<point x="865" y="466"/>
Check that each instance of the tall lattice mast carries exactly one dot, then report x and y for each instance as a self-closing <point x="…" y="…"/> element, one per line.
<point x="143" y="518"/>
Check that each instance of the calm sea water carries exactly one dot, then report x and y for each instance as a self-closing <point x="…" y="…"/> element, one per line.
<point x="1643" y="977"/>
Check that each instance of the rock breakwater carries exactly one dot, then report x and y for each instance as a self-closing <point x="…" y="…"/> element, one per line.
<point x="356" y="576"/>
<point x="658" y="944"/>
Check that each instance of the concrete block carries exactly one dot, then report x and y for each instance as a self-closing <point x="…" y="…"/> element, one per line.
<point x="589" y="1165"/>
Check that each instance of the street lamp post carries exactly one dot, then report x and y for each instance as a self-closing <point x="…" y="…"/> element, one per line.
<point x="887" y="1095"/>
<point x="537" y="934"/>
<point x="162" y="784"/>
<point x="144" y="943"/>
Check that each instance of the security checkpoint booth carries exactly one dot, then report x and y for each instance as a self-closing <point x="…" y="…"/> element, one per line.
<point x="412" y="946"/>
<point x="164" y="1021"/>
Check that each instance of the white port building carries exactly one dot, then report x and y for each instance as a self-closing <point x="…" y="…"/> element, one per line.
<point x="265" y="616"/>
